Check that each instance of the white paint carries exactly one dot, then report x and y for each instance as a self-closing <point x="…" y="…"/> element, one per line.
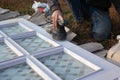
<point x="37" y="69"/>
<point x="45" y="69"/>
<point x="108" y="71"/>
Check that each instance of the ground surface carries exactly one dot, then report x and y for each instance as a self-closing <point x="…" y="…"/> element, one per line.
<point x="83" y="31"/>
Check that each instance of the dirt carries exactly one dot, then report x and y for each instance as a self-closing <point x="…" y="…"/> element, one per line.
<point x="83" y="31"/>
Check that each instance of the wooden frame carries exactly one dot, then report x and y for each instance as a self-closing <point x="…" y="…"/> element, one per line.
<point x="57" y="51"/>
<point x="103" y="69"/>
<point x="21" y="60"/>
<point x="10" y="46"/>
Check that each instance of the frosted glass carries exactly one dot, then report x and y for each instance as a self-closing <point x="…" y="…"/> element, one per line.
<point x="33" y="43"/>
<point x="65" y="66"/>
<point x="13" y="30"/>
<point x="19" y="72"/>
<point x="6" y="53"/>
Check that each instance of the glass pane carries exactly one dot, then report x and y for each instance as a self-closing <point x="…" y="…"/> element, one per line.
<point x="6" y="53"/>
<point x="13" y="30"/>
<point x="33" y="43"/>
<point x="19" y="72"/>
<point x="66" y="66"/>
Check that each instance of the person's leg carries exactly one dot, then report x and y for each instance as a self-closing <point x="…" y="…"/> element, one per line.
<point x="101" y="24"/>
<point x="76" y="8"/>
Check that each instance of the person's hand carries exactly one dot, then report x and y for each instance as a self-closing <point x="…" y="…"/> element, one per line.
<point x="57" y="15"/>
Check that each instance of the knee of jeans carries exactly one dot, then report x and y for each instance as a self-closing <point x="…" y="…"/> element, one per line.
<point x="100" y="36"/>
<point x="102" y="32"/>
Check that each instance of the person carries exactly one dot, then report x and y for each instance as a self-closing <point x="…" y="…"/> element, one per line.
<point x="97" y="10"/>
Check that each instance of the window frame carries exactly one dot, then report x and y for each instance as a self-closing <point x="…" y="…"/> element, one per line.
<point x="103" y="68"/>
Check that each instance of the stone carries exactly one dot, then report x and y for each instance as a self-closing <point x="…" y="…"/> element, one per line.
<point x="27" y="16"/>
<point x="92" y="46"/>
<point x="101" y="53"/>
<point x="70" y="34"/>
<point x="9" y="15"/>
<point x="2" y="11"/>
<point x="38" y="19"/>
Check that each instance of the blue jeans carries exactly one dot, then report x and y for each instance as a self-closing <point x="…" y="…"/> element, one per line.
<point x="101" y="24"/>
<point x="100" y="19"/>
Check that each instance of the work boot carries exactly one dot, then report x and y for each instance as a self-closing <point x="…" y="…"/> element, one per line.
<point x="59" y="34"/>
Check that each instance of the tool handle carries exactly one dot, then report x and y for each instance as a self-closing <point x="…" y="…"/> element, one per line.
<point x="65" y="22"/>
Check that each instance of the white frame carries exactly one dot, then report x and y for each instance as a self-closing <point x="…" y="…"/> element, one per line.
<point x="66" y="51"/>
<point x="30" y="63"/>
<point x="10" y="46"/>
<point x="105" y="68"/>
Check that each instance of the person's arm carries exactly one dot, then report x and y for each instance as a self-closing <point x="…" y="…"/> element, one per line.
<point x="54" y="5"/>
<point x="116" y="3"/>
<point x="56" y="11"/>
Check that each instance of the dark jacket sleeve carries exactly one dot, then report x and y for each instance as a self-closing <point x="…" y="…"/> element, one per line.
<point x="116" y="3"/>
<point x="54" y="5"/>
